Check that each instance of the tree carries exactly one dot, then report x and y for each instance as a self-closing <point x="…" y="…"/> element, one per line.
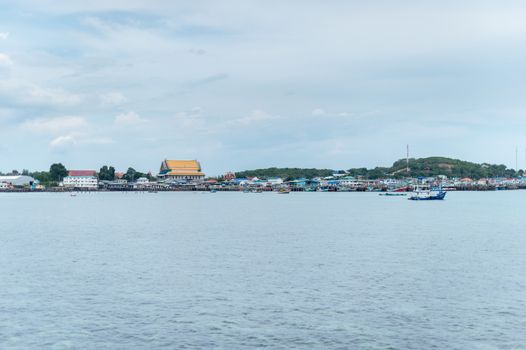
<point x="57" y="172"/>
<point x="42" y="177"/>
<point x="107" y="173"/>
<point x="131" y="175"/>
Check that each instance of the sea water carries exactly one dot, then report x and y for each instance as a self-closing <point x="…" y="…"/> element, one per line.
<point x="194" y="270"/>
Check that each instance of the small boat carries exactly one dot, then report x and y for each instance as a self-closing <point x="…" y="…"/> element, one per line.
<point x="213" y="191"/>
<point x="73" y="194"/>
<point x="392" y="194"/>
<point x="283" y="191"/>
<point x="428" y="195"/>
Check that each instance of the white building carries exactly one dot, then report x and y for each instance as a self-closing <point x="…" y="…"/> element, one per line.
<point x="85" y="179"/>
<point x="274" y="181"/>
<point x="142" y="181"/>
<point x="18" y="180"/>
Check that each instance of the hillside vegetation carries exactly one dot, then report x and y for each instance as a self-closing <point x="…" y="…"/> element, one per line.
<point x="285" y="173"/>
<point x="433" y="166"/>
<point x="421" y="167"/>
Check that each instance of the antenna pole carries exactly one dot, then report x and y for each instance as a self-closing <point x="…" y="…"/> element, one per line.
<point x="407" y="160"/>
<point x="516" y="158"/>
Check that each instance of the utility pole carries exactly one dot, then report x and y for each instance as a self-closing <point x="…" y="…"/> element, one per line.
<point x="407" y="160"/>
<point x="516" y="158"/>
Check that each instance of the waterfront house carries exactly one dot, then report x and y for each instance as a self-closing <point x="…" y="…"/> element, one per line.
<point x="82" y="179"/>
<point x="273" y="181"/>
<point x="181" y="170"/>
<point x="142" y="181"/>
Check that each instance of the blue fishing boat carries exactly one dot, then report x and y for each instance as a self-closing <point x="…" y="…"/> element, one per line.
<point x="428" y="195"/>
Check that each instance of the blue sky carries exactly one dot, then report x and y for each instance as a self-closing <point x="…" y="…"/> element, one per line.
<point x="245" y="84"/>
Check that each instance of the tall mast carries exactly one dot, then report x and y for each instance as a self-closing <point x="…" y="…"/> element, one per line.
<point x="407" y="160"/>
<point x="516" y="158"/>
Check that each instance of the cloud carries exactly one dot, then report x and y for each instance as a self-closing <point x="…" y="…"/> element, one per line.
<point x="208" y="80"/>
<point x="113" y="98"/>
<point x="4" y="35"/>
<point x="5" y="60"/>
<point x="51" y="96"/>
<point x="55" y="125"/>
<point x="62" y="141"/>
<point x="73" y="139"/>
<point x="192" y="113"/>
<point x="318" y="112"/>
<point x="198" y="52"/>
<point x="256" y="116"/>
<point x="128" y="118"/>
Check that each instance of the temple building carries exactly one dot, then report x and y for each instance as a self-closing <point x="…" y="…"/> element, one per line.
<point x="181" y="170"/>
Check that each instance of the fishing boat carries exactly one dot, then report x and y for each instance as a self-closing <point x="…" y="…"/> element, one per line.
<point x="428" y="195"/>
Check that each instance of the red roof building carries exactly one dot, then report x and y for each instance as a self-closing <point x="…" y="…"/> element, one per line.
<point x="82" y="173"/>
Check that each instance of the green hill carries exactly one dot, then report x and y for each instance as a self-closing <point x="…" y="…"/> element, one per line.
<point x="431" y="166"/>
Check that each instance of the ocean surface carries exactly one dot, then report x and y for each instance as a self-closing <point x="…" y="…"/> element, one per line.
<point x="191" y="270"/>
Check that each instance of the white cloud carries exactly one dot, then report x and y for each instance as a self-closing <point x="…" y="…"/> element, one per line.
<point x="129" y="118"/>
<point x="318" y="112"/>
<point x="192" y="113"/>
<point x="73" y="139"/>
<point x="62" y="141"/>
<point x="4" y="35"/>
<point x="113" y="98"/>
<point x="55" y="125"/>
<point x="5" y="60"/>
<point x="59" y="97"/>
<point x="256" y="116"/>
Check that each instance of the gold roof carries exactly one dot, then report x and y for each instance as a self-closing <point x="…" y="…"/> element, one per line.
<point x="183" y="164"/>
<point x="181" y="167"/>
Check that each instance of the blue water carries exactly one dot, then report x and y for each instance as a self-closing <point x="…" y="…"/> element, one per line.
<point x="239" y="271"/>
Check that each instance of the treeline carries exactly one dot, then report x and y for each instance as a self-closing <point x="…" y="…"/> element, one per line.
<point x="285" y="173"/>
<point x="421" y="167"/>
<point x="434" y="166"/>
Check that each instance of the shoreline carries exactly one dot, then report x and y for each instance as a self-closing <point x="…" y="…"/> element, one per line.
<point x="250" y="190"/>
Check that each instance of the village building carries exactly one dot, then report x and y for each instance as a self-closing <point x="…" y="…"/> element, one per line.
<point x="181" y="170"/>
<point x="17" y="180"/>
<point x="83" y="179"/>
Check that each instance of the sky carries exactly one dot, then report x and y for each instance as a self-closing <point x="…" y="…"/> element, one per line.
<point x="243" y="84"/>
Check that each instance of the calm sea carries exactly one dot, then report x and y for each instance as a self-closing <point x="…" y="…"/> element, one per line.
<point x="240" y="271"/>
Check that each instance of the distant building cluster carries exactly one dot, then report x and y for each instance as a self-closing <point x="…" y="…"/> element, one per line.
<point x="188" y="175"/>
<point x="171" y="171"/>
